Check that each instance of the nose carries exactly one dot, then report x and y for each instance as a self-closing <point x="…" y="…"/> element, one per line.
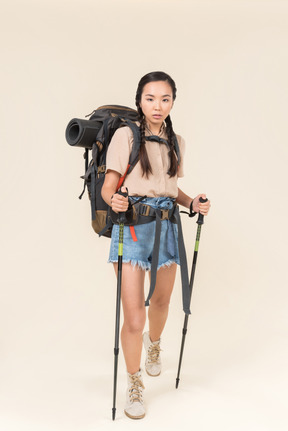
<point x="157" y="105"/>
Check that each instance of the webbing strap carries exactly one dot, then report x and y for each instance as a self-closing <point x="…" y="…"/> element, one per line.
<point x="133" y="233"/>
<point x="183" y="265"/>
<point x="134" y="155"/>
<point x="156" y="139"/>
<point x="121" y="179"/>
<point x="155" y="256"/>
<point x="182" y="257"/>
<point x="86" y="157"/>
<point x="93" y="192"/>
<point x="107" y="227"/>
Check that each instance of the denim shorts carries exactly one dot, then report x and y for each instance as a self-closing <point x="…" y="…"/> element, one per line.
<point x="139" y="253"/>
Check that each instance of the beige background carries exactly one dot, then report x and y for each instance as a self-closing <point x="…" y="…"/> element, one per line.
<point x="61" y="59"/>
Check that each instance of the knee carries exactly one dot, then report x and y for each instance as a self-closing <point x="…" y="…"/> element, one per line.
<point x="135" y="323"/>
<point x="161" y="304"/>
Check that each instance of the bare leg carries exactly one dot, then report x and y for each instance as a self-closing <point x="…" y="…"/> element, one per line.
<point x="132" y="295"/>
<point x="159" y="303"/>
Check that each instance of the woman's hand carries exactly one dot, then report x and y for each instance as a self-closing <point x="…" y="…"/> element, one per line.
<point x="199" y="207"/>
<point x="119" y="203"/>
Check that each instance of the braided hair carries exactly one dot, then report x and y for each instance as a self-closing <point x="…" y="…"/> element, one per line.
<point x="143" y="156"/>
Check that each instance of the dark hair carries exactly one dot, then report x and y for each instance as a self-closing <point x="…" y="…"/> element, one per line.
<point x="143" y="156"/>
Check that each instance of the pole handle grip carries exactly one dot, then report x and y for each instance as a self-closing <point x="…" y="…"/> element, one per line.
<point x="122" y="215"/>
<point x="200" y="220"/>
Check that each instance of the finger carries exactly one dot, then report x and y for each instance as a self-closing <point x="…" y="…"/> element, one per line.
<point x="205" y="204"/>
<point x="119" y="199"/>
<point x="120" y="206"/>
<point x="204" y="208"/>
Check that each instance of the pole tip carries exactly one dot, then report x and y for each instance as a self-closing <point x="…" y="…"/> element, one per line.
<point x="113" y="413"/>
<point x="177" y="382"/>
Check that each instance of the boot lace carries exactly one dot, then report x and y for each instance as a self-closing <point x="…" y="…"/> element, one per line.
<point x="135" y="391"/>
<point x="153" y="353"/>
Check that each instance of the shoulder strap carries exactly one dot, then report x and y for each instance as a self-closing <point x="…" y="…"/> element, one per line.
<point x="134" y="155"/>
<point x="177" y="148"/>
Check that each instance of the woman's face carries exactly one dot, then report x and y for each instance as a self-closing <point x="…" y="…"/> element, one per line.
<point x="156" y="102"/>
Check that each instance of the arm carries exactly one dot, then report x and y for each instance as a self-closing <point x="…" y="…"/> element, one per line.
<point x="118" y="202"/>
<point x="183" y="199"/>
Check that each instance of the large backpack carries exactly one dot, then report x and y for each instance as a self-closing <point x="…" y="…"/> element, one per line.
<point x="94" y="134"/>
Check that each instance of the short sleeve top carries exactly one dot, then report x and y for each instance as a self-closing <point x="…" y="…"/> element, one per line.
<point x="159" y="183"/>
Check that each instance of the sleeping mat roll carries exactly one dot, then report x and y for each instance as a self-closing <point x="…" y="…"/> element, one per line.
<point x="82" y="133"/>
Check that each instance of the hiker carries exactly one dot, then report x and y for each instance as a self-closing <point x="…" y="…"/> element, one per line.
<point x="155" y="175"/>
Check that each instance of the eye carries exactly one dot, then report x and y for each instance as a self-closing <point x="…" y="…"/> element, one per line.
<point x="165" y="100"/>
<point x="149" y="99"/>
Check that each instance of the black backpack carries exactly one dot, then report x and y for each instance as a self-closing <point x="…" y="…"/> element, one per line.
<point x="94" y="134"/>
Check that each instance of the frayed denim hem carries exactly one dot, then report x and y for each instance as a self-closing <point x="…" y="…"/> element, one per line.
<point x="144" y="265"/>
<point x="168" y="263"/>
<point x="139" y="263"/>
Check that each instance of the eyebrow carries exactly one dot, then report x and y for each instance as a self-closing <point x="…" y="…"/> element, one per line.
<point x="152" y="95"/>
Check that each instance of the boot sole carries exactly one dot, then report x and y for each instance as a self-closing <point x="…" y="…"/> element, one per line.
<point x="134" y="417"/>
<point x="152" y="375"/>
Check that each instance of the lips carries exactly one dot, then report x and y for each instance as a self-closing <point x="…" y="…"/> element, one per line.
<point x="157" y="116"/>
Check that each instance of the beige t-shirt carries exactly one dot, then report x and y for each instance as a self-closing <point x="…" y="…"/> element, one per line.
<point x="157" y="184"/>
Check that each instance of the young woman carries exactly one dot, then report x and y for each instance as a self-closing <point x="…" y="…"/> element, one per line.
<point x="154" y="176"/>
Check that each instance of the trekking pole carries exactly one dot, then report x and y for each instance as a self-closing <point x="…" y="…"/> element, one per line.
<point x="200" y="221"/>
<point x="118" y="303"/>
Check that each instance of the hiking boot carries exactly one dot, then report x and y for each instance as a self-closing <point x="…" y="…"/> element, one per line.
<point x="153" y="361"/>
<point x="134" y="397"/>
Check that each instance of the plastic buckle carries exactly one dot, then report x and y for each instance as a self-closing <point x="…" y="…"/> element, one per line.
<point x="101" y="169"/>
<point x="144" y="210"/>
<point x="164" y="214"/>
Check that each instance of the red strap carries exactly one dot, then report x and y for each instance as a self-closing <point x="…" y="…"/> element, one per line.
<point x="120" y="182"/>
<point x="121" y="179"/>
<point x="133" y="233"/>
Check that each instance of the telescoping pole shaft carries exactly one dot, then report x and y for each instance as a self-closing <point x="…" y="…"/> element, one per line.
<point x="200" y="222"/>
<point x="118" y="305"/>
<point x="117" y="321"/>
